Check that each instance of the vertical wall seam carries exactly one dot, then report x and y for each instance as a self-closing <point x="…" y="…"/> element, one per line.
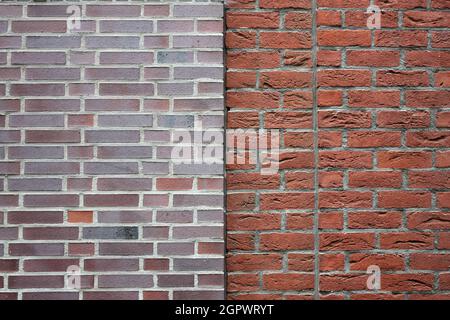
<point x="316" y="149"/>
<point x="225" y="126"/>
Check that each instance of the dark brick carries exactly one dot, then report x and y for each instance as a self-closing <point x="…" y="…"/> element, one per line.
<point x="124" y="233"/>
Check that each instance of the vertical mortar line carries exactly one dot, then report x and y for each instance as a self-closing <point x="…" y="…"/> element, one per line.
<point x="316" y="149"/>
<point x="225" y="112"/>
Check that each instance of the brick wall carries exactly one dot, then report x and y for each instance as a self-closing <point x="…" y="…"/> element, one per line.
<point x="270" y="217"/>
<point x="391" y="135"/>
<point x="363" y="179"/>
<point x="89" y="120"/>
<point x="87" y="123"/>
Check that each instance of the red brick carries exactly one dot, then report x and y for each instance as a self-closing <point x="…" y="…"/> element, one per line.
<point x="266" y="20"/>
<point x="285" y="79"/>
<point x="349" y="241"/>
<point x="374" y="99"/>
<point x="329" y="18"/>
<point x="329" y="98"/>
<point x="404" y="199"/>
<point x="300" y="262"/>
<point x="373" y="58"/>
<point x="369" y="179"/>
<point x="373" y="139"/>
<point x="345" y="199"/>
<point x="443" y="199"/>
<point x="345" y="159"/>
<point x="396" y="78"/>
<point x="285" y="40"/>
<point x="240" y="39"/>
<point x="285" y="4"/>
<point x="252" y="181"/>
<point x="430" y="261"/>
<point x="331" y="220"/>
<point x="359" y="19"/>
<point x="343" y="38"/>
<point x="403" y="159"/>
<point x="372" y="220"/>
<point x="288" y="281"/>
<point x="174" y="183"/>
<point x="331" y="262"/>
<point x="427" y="99"/>
<point x="254" y="262"/>
<point x="407" y="282"/>
<point x="252" y="60"/>
<point x="280" y="201"/>
<point x="293" y="120"/>
<point x="80" y="216"/>
<point x="254" y="100"/>
<point x="299" y="221"/>
<point x="343" y="78"/>
<point x="329" y="58"/>
<point x="241" y="79"/>
<point x="443" y="159"/>
<point x="240" y="201"/>
<point x="406" y="240"/>
<point x="297" y="58"/>
<point x="242" y="282"/>
<point x="343" y="282"/>
<point x="286" y="241"/>
<point x="430" y="19"/>
<point x="401" y="38"/>
<point x="297" y="20"/>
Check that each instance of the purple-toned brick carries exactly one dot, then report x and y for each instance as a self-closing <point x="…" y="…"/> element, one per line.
<point x="87" y="118"/>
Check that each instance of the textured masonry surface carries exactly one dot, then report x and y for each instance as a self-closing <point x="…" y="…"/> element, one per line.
<point x="364" y="118"/>
<point x="87" y="123"/>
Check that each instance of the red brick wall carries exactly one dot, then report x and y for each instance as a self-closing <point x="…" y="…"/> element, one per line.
<point x="88" y="120"/>
<point x="363" y="179"/>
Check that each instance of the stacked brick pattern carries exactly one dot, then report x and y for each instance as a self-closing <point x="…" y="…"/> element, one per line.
<point x="87" y="119"/>
<point x="364" y="174"/>
<point x="384" y="179"/>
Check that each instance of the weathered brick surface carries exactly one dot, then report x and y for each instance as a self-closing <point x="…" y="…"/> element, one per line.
<point x="378" y="148"/>
<point x="385" y="198"/>
<point x="87" y="117"/>
<point x="270" y="85"/>
<point x="86" y="125"/>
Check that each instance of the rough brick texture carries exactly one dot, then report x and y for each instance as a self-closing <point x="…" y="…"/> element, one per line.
<point x="364" y="174"/>
<point x="389" y="204"/>
<point x="87" y="122"/>
<point x="87" y="125"/>
<point x="270" y="85"/>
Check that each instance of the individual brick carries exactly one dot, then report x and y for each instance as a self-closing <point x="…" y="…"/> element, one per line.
<point x="49" y="265"/>
<point x="113" y="11"/>
<point x="110" y="233"/>
<point x="36" y="249"/>
<point x="53" y="42"/>
<point x="126" y="249"/>
<point x="31" y="58"/>
<point x="126" y="26"/>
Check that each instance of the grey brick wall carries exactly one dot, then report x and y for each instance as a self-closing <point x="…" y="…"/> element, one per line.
<point x="88" y="120"/>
